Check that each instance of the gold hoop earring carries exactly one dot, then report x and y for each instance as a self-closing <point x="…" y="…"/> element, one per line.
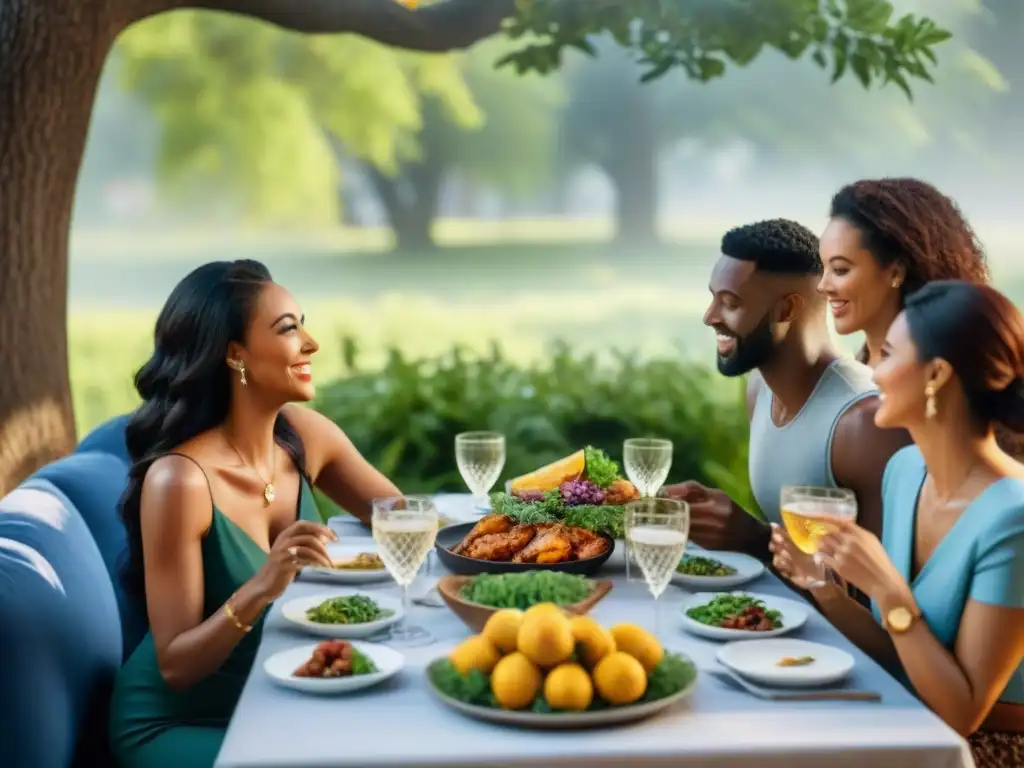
<point x="930" y="409"/>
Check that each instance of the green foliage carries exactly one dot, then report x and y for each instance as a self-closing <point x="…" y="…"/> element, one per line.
<point x="404" y="417"/>
<point x="704" y="37"/>
<point x="245" y="109"/>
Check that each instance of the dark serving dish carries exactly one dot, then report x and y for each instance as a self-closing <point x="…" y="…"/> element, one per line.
<point x="451" y="535"/>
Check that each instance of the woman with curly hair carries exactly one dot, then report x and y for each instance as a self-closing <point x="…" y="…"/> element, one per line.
<point x="219" y="507"/>
<point x="886" y="239"/>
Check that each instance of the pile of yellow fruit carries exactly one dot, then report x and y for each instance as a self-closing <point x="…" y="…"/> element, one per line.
<point x="526" y="653"/>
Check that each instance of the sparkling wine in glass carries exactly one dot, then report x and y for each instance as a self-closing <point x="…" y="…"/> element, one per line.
<point x="480" y="457"/>
<point x="806" y="512"/>
<point x="657" y="533"/>
<point x="646" y="462"/>
<point x="404" y="528"/>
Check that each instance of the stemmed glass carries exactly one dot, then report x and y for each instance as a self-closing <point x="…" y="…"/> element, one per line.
<point x="657" y="531"/>
<point x="646" y="461"/>
<point x="405" y="528"/>
<point x="806" y="512"/>
<point x="480" y="457"/>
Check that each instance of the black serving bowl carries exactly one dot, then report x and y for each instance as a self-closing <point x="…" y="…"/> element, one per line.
<point x="451" y="535"/>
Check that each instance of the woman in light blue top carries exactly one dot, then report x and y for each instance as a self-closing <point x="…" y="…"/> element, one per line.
<point x="947" y="580"/>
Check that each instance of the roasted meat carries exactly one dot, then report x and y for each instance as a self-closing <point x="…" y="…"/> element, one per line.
<point x="586" y="544"/>
<point x="552" y="546"/>
<point x="501" y="546"/>
<point x="620" y="492"/>
<point x="492" y="524"/>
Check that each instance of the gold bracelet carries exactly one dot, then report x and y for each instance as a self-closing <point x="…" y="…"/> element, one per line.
<point x="230" y="613"/>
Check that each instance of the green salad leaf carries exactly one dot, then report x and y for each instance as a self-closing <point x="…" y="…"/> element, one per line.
<point x="350" y="609"/>
<point x="362" y="664"/>
<point x="600" y="469"/>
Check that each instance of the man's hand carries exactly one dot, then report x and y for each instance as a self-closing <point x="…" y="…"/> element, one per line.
<point x="718" y="522"/>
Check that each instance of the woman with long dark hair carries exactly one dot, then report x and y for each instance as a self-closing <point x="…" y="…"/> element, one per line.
<point x="219" y="507"/>
<point x="947" y="580"/>
<point x="886" y="239"/>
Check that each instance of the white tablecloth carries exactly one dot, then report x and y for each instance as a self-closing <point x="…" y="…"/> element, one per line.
<point x="400" y="725"/>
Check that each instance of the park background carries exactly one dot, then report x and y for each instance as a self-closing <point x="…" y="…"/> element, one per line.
<point x="477" y="249"/>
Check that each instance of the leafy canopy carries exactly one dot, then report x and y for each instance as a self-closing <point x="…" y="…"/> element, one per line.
<point x="703" y="37"/>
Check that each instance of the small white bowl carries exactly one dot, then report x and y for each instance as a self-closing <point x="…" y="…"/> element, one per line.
<point x="294" y="611"/>
<point x="793" y="616"/>
<point x="757" y="660"/>
<point x="281" y="667"/>
<point x="747" y="569"/>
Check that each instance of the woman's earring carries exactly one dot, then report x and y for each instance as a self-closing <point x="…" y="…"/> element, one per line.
<point x="240" y="367"/>
<point x="930" y="409"/>
<point x="896" y="283"/>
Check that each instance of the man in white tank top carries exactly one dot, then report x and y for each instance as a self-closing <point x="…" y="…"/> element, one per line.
<point x="811" y="411"/>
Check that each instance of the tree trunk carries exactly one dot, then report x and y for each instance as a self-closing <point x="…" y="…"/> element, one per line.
<point x="410" y="199"/>
<point x="51" y="55"/>
<point x="632" y="167"/>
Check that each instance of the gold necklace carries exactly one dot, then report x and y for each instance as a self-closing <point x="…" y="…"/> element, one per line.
<point x="269" y="492"/>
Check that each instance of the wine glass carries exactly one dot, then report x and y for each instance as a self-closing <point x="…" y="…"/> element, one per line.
<point x="480" y="457"/>
<point x="657" y="531"/>
<point x="405" y="528"/>
<point x="646" y="461"/>
<point x="806" y="512"/>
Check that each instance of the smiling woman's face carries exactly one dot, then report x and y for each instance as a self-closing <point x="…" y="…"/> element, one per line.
<point x="901" y="379"/>
<point x="278" y="348"/>
<point x="859" y="290"/>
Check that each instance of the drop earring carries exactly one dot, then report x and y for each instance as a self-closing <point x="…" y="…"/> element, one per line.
<point x="240" y="367"/>
<point x="930" y="409"/>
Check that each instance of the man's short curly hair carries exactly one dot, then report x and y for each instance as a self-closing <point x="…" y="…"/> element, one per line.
<point x="910" y="222"/>
<point x="779" y="246"/>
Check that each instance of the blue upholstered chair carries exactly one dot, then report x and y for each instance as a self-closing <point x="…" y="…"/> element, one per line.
<point x="65" y="623"/>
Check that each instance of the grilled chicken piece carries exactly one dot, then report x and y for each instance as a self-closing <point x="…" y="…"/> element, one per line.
<point x="620" y="492"/>
<point x="488" y="525"/>
<point x="587" y="544"/>
<point x="552" y="546"/>
<point x="501" y="546"/>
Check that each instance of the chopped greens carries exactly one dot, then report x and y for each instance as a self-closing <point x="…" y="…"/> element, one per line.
<point x="521" y="590"/>
<point x="593" y="517"/>
<point x="351" y="609"/>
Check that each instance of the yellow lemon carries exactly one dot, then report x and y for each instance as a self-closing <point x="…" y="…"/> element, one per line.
<point x="546" y="638"/>
<point x="476" y="652"/>
<point x="568" y="687"/>
<point x="541" y="608"/>
<point x="515" y="681"/>
<point x="502" y="629"/>
<point x="620" y="679"/>
<point x="638" y="643"/>
<point x="593" y="642"/>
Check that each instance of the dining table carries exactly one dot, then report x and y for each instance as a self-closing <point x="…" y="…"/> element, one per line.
<point x="400" y="723"/>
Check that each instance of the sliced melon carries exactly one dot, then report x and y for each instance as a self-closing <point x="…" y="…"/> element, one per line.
<point x="554" y="474"/>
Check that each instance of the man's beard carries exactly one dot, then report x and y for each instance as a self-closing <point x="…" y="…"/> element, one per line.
<point x="751" y="351"/>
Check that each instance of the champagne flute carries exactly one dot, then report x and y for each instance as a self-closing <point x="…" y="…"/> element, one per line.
<point x="657" y="531"/>
<point x="480" y="457"/>
<point x="806" y="512"/>
<point x="405" y="528"/>
<point x="646" y="462"/>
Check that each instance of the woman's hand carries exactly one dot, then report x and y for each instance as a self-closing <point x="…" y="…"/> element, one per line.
<point x="858" y="556"/>
<point x="300" y="544"/>
<point x="790" y="562"/>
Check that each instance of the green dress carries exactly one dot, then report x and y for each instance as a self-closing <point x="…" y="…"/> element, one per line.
<point x="153" y="726"/>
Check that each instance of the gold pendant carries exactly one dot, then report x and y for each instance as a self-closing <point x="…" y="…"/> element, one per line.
<point x="269" y="494"/>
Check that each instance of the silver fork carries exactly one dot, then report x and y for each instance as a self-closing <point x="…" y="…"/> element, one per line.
<point x="775" y="694"/>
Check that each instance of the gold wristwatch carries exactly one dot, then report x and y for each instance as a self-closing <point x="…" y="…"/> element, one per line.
<point x="899" y="619"/>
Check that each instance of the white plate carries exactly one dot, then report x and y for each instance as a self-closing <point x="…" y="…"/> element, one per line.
<point x="281" y="665"/>
<point x="747" y="569"/>
<point x="758" y="661"/>
<point x="565" y="720"/>
<point x="793" y="616"/>
<point x="294" y="611"/>
<point x="347" y="550"/>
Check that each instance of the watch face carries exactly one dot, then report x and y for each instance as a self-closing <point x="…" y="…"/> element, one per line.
<point x="899" y="618"/>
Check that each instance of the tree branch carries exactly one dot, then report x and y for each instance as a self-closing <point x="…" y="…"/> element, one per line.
<point x="436" y="27"/>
